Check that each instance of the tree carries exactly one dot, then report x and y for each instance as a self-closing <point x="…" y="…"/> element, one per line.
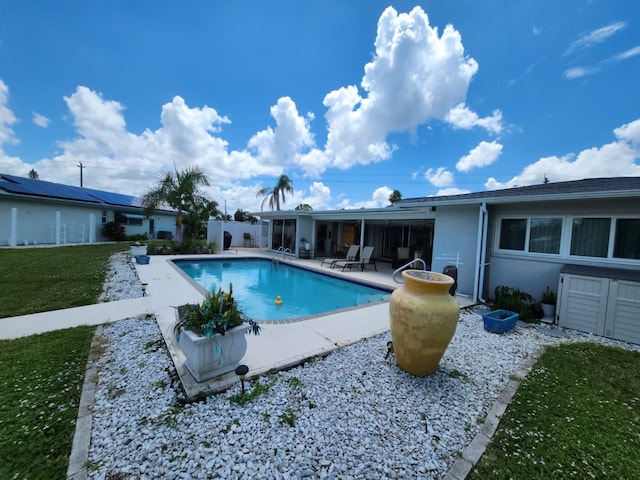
<point x="273" y="194"/>
<point x="196" y="218"/>
<point x="305" y="207"/>
<point x="396" y="196"/>
<point x="178" y="190"/>
<point x="240" y="215"/>
<point x="33" y="174"/>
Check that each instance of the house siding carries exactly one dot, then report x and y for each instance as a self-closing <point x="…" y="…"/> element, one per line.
<point x="531" y="272"/>
<point x="36" y="222"/>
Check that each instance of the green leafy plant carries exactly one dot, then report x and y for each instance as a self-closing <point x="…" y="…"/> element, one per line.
<point x="257" y="390"/>
<point x="160" y="247"/>
<point x="549" y="297"/>
<point x="288" y="417"/>
<point x="114" y="231"/>
<point x="511" y="298"/>
<point x="217" y="314"/>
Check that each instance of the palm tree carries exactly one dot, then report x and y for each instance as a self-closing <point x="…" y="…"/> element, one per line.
<point x="178" y="190"/>
<point x="273" y="194"/>
<point x="305" y="207"/>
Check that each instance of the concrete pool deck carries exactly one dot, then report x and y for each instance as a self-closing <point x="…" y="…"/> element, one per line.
<point x="279" y="346"/>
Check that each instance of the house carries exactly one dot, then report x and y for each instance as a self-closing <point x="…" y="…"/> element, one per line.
<point x="38" y="212"/>
<point x="585" y="233"/>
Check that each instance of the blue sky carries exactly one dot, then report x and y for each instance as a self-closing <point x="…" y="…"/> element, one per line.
<point x="350" y="99"/>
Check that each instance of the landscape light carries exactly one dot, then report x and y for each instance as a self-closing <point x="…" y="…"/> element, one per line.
<point x="241" y="371"/>
<point x="389" y="349"/>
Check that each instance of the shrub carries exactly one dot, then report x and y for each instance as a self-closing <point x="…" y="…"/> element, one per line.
<point x="160" y="247"/>
<point x="114" y="231"/>
<point x="511" y="298"/>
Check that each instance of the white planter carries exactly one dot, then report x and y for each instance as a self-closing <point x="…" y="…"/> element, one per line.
<point x="549" y="311"/>
<point x="209" y="357"/>
<point x="138" y="250"/>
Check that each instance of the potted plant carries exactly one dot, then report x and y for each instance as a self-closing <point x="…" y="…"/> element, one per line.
<point x="212" y="334"/>
<point x="548" y="303"/>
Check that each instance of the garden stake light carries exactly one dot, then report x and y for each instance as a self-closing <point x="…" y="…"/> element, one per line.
<point x="241" y="371"/>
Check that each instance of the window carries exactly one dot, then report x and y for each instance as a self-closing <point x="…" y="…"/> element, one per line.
<point x="104" y="217"/>
<point x="513" y="233"/>
<point x="544" y="236"/>
<point x="595" y="237"/>
<point x="129" y="219"/>
<point x="627" y="238"/>
<point x="536" y="235"/>
<point x="590" y="237"/>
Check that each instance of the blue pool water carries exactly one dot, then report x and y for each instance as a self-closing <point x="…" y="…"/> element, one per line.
<point x="257" y="283"/>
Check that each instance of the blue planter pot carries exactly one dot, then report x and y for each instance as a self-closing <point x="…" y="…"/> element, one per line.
<point x="143" y="259"/>
<point x="500" y="321"/>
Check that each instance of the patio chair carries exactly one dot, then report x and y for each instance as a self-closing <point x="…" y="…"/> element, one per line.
<point x="365" y="259"/>
<point x="352" y="254"/>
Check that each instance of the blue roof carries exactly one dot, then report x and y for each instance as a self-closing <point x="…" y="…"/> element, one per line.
<point x="39" y="188"/>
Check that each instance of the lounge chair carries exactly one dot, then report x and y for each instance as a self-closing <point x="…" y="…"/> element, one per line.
<point x="352" y="254"/>
<point x="365" y="259"/>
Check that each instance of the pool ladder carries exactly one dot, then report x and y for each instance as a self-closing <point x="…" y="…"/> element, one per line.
<point x="397" y="277"/>
<point x="281" y="251"/>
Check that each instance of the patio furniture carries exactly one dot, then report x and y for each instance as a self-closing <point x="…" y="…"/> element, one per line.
<point x="365" y="259"/>
<point x="248" y="240"/>
<point x="352" y="254"/>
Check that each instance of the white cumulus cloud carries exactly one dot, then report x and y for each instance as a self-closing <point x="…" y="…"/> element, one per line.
<point x="41" y="120"/>
<point x="618" y="158"/>
<point x="7" y="118"/>
<point x="416" y="76"/>
<point x="484" y="154"/>
<point x="461" y="117"/>
<point x="440" y="177"/>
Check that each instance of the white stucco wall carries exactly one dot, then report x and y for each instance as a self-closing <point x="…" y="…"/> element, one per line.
<point x="216" y="229"/>
<point x="456" y="235"/>
<point x="532" y="273"/>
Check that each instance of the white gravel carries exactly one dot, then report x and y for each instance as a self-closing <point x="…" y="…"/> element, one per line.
<point x="351" y="415"/>
<point x="122" y="280"/>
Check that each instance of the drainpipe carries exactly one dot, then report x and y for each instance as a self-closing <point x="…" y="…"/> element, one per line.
<point x="481" y="242"/>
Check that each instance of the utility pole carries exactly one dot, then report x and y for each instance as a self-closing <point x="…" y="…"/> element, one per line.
<point x="82" y="167"/>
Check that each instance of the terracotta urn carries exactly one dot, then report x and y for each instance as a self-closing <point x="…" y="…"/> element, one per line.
<point x="423" y="318"/>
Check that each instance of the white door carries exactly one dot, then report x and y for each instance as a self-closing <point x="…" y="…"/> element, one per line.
<point x="583" y="303"/>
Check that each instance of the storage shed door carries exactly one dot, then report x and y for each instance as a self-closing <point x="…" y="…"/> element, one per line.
<point x="623" y="314"/>
<point x="583" y="303"/>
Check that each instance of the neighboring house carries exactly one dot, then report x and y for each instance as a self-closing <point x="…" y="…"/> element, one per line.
<point x="38" y="212"/>
<point x="586" y="232"/>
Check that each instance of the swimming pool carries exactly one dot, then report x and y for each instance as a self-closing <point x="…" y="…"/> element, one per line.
<point x="257" y="283"/>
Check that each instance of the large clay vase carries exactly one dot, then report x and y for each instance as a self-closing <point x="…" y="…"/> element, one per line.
<point x="423" y="317"/>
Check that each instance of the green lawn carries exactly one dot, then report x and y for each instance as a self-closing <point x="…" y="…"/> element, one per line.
<point x="576" y="415"/>
<point x="41" y="279"/>
<point x="40" y="384"/>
